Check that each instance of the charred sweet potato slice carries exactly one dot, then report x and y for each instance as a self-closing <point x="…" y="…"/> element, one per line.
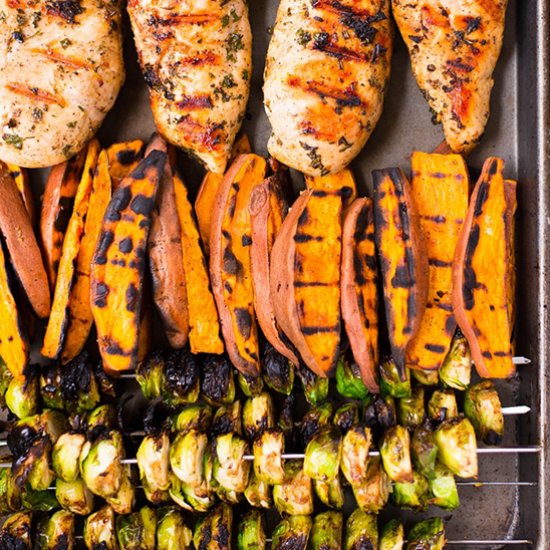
<point x="510" y="187"/>
<point x="80" y="317"/>
<point x="21" y="178"/>
<point x="57" y="207"/>
<point x="359" y="302"/>
<point x="204" y="323"/>
<point x="59" y="316"/>
<point x="481" y="273"/>
<point x="206" y="197"/>
<point x="342" y="182"/>
<point x="118" y="265"/>
<point x="230" y="269"/>
<point x="439" y="188"/>
<point x="267" y="208"/>
<point x="402" y="259"/>
<point x="24" y="253"/>
<point x="123" y="158"/>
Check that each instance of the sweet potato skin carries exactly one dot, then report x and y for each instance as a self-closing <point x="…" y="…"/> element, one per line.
<point x="21" y="178"/>
<point x="24" y="253"/>
<point x="510" y="188"/>
<point x="440" y="191"/>
<point x="402" y="259"/>
<point x="359" y="302"/>
<point x="481" y="285"/>
<point x="118" y="265"/>
<point x="123" y="158"/>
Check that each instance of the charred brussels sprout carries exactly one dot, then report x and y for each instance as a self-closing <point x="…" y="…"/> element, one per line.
<point x="428" y="534"/>
<point x="258" y="493"/>
<point x="346" y="416"/>
<point x="410" y="410"/>
<point x="361" y="531"/>
<point x="294" y="496"/>
<point x="355" y="454"/>
<point x="198" y="417"/>
<point x="391" y="382"/>
<point x="292" y="532"/>
<point x="315" y="387"/>
<point x="482" y="407"/>
<point x="102" y="419"/>
<point x="74" y="496"/>
<point x="456" y="371"/>
<point x="153" y="459"/>
<point x="124" y="499"/>
<point x="258" y="415"/>
<point x="385" y="412"/>
<point x="323" y="454"/>
<point x="215" y="530"/>
<point x="373" y="493"/>
<point x="22" y="395"/>
<point x="313" y="420"/>
<point x="395" y="452"/>
<point x="50" y="387"/>
<point x="150" y="374"/>
<point x="180" y="380"/>
<point x="217" y="380"/>
<point x="172" y="532"/>
<point x="443" y="489"/>
<point x="65" y="455"/>
<point x="99" y="530"/>
<point x="38" y="501"/>
<point x="330" y="493"/>
<point x="228" y="419"/>
<point x="457" y="446"/>
<point x="5" y="481"/>
<point x="250" y="385"/>
<point x="56" y="532"/>
<point x="187" y="456"/>
<point x="442" y="405"/>
<point x="411" y="495"/>
<point x="16" y="532"/>
<point x="231" y="471"/>
<point x="424" y="450"/>
<point x="348" y="380"/>
<point x="251" y="531"/>
<point x="268" y="449"/>
<point x="426" y="377"/>
<point x="278" y="371"/>
<point x="392" y="536"/>
<point x="79" y="388"/>
<point x="326" y="532"/>
<point x="137" y="531"/>
<point x="286" y="420"/>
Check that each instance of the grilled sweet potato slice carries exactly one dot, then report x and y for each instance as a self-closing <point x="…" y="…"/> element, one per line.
<point x="267" y="208"/>
<point x="21" y="178"/>
<point x="359" y="302"/>
<point x="402" y="259"/>
<point x="230" y="269"/>
<point x="123" y="158"/>
<point x="24" y="253"/>
<point x="510" y="187"/>
<point x="166" y="258"/>
<point x="80" y="317"/>
<point x="204" y="323"/>
<point x="57" y="207"/>
<point x="118" y="265"/>
<point x="59" y="316"/>
<point x="481" y="273"/>
<point x="206" y="197"/>
<point x="343" y="182"/>
<point x="440" y="191"/>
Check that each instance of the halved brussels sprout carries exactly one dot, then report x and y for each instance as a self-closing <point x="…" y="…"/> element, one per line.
<point x="291" y="532"/>
<point x="429" y="533"/>
<point x="456" y="370"/>
<point x="231" y="471"/>
<point x="37" y="501"/>
<point x="348" y="380"/>
<point x="65" y="455"/>
<point x="251" y="531"/>
<point x="16" y="532"/>
<point x="278" y="371"/>
<point x="385" y="411"/>
<point x="153" y="459"/>
<point x="330" y="493"/>
<point x="74" y="496"/>
<point x="443" y="489"/>
<point x="172" y="532"/>
<point x="457" y="446"/>
<point x="50" y="387"/>
<point x="391" y="382"/>
<point x="124" y="499"/>
<point x="410" y="410"/>
<point x="373" y="493"/>
<point x="286" y="420"/>
<point x="5" y="481"/>
<point x="217" y="380"/>
<point x="294" y="496"/>
<point x="327" y="531"/>
<point x="198" y="417"/>
<point x="149" y="375"/>
<point x="346" y="416"/>
<point x="56" y="532"/>
<point x="187" y="456"/>
<point x="323" y="454"/>
<point x="250" y="385"/>
<point x="227" y="419"/>
<point x="258" y="415"/>
<point x="392" y="536"/>
<point x="22" y="395"/>
<point x="258" y="493"/>
<point x="424" y="450"/>
<point x="314" y="419"/>
<point x="361" y="531"/>
<point x="180" y="380"/>
<point x="482" y="407"/>
<point x="215" y="530"/>
<point x="102" y="419"/>
<point x="442" y="405"/>
<point x="355" y="454"/>
<point x="426" y="377"/>
<point x="99" y="530"/>
<point x="137" y="531"/>
<point x="79" y="388"/>
<point x="315" y="387"/>
<point x="412" y="495"/>
<point x="395" y="452"/>
<point x="268" y="450"/>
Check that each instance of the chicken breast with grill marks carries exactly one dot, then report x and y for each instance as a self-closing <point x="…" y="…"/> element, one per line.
<point x="196" y="57"/>
<point x="327" y="69"/>
<point x="454" y="46"/>
<point x="61" y="69"/>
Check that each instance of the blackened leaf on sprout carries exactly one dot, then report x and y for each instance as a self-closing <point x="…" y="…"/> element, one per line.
<point x="278" y="371"/>
<point x="76" y="377"/>
<point x="216" y="378"/>
<point x="156" y="419"/>
<point x="20" y="439"/>
<point x="181" y="372"/>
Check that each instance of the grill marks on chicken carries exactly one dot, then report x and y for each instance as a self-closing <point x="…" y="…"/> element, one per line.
<point x="196" y="60"/>
<point x="326" y="72"/>
<point x="454" y="46"/>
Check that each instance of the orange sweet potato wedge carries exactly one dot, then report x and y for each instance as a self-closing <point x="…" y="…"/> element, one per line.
<point x="57" y="207"/>
<point x="123" y="158"/>
<point x="359" y="302"/>
<point x="481" y="273"/>
<point x="21" y="178"/>
<point x="80" y="317"/>
<point x="402" y="259"/>
<point x="230" y="262"/>
<point x="510" y="187"/>
<point x="267" y="208"/>
<point x="21" y="244"/>
<point x="118" y="264"/>
<point x="59" y="316"/>
<point x="166" y="258"/>
<point x="342" y="182"/>
<point x="440" y="191"/>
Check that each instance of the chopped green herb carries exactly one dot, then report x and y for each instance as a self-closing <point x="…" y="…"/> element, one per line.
<point x="65" y="43"/>
<point x="20" y="19"/>
<point x="344" y="144"/>
<point x="303" y="37"/>
<point x="315" y="158"/>
<point x="225" y="21"/>
<point x="233" y="43"/>
<point x="245" y="74"/>
<point x="14" y="140"/>
<point x="234" y="15"/>
<point x="66" y="151"/>
<point x="37" y="113"/>
<point x="228" y="81"/>
<point x="35" y="18"/>
<point x="71" y="124"/>
<point x="2" y="17"/>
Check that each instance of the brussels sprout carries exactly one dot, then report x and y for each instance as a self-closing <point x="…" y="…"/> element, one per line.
<point x="251" y="531"/>
<point x="74" y="496"/>
<point x="278" y="371"/>
<point x="187" y="456"/>
<point x="268" y="449"/>
<point x="172" y="532"/>
<point x="153" y="459"/>
<point x="22" y="395"/>
<point x="456" y="370"/>
<point x="348" y="380"/>
<point x="37" y="501"/>
<point x="292" y="532"/>
<point x="217" y="380"/>
<point x="258" y="415"/>
<point x="443" y="489"/>
<point x="395" y="452"/>
<point x="391" y="382"/>
<point x="313" y="420"/>
<point x="361" y="531"/>
<point x="79" y="388"/>
<point x="100" y="464"/>
<point x="326" y="532"/>
<point x="200" y="498"/>
<point x="346" y="416"/>
<point x="442" y="405"/>
<point x="258" y="493"/>
<point x="315" y="387"/>
<point x="5" y="479"/>
<point x="429" y="534"/>
<point x="286" y="420"/>
<point x="355" y="454"/>
<point x="50" y="387"/>
<point x="231" y="471"/>
<point x="424" y="450"/>
<point x="65" y="455"/>
<point x="123" y="501"/>
<point x="228" y="496"/>
<point x="197" y="417"/>
<point x="180" y="380"/>
<point x="294" y="496"/>
<point x="155" y="496"/>
<point x="228" y="419"/>
<point x="250" y="385"/>
<point x="56" y="532"/>
<point x="177" y="493"/>
<point x="392" y="536"/>
<point x="137" y="531"/>
<point x="373" y="493"/>
<point x="102" y="419"/>
<point x="330" y="493"/>
<point x="411" y="495"/>
<point x="215" y="530"/>
<point x="16" y="532"/>
<point x="99" y="530"/>
<point x="5" y="378"/>
<point x="386" y="414"/>
<point x="410" y="410"/>
<point x="426" y="377"/>
<point x="482" y="407"/>
<point x="149" y="374"/>
<point x="323" y="454"/>
<point x="457" y="446"/>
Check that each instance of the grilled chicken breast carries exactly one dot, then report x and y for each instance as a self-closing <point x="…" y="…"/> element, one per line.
<point x="61" y="69"/>
<point x="454" y="46"/>
<point x="196" y="57"/>
<point x="327" y="67"/>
